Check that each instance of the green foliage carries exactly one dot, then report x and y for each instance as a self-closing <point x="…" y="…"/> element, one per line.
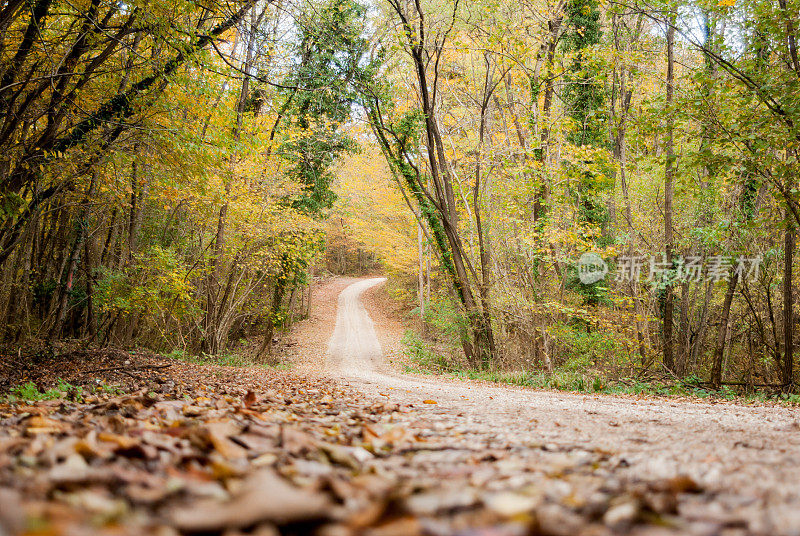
<point x="424" y="358"/>
<point x="157" y="280"/>
<point x="584" y="92"/>
<point x="592" y="294"/>
<point x="580" y="349"/>
<point x="446" y="318"/>
<point x="311" y="156"/>
<point x="226" y="359"/>
<point x="43" y="290"/>
<point x="30" y="392"/>
<point x="408" y="129"/>
<point x="589" y="168"/>
<point x="329" y="51"/>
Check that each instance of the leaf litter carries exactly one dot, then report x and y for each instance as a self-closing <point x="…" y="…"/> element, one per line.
<point x="210" y="450"/>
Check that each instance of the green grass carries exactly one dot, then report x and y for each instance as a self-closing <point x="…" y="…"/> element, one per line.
<point x="424" y="357"/>
<point x="224" y="360"/>
<point x="421" y="359"/>
<point x="30" y="392"/>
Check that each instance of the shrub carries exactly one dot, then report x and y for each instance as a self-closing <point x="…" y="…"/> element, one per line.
<point x="424" y="357"/>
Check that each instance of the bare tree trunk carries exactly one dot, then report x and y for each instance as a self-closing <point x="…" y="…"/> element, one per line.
<point x="214" y="304"/>
<point x="88" y="267"/>
<point x="722" y="335"/>
<point x="669" y="358"/>
<point x="787" y="376"/>
<point x="682" y="355"/>
<point x="138" y="196"/>
<point x="213" y="280"/>
<point x="478" y="340"/>
<point x="265" y="352"/>
<point x="421" y="279"/>
<point x="543" y="154"/>
<point x="68" y="277"/>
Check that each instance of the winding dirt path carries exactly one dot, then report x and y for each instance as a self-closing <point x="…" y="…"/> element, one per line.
<point x="746" y="459"/>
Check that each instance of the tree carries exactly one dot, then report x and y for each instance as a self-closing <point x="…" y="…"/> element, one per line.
<point x="584" y="98"/>
<point x="330" y="52"/>
<point x="668" y="305"/>
<point x="437" y="204"/>
<point x="25" y="87"/>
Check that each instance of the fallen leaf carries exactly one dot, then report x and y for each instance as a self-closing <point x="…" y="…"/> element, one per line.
<point x="123" y="442"/>
<point x="509" y="504"/>
<point x="89" y="448"/>
<point x="678" y="484"/>
<point x="12" y="518"/>
<point x="352" y="457"/>
<point x="406" y="526"/>
<point x="223" y="445"/>
<point x="99" y="503"/>
<point x="622" y="513"/>
<point x="439" y="501"/>
<point x="264" y="459"/>
<point x="296" y="442"/>
<point x="264" y="497"/>
<point x="75" y="470"/>
<point x="44" y="425"/>
<point x="376" y="438"/>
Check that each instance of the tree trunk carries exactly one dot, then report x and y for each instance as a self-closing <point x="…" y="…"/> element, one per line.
<point x="421" y="278"/>
<point x="439" y="206"/>
<point x="669" y="358"/>
<point x="787" y="376"/>
<point x="543" y="153"/>
<point x="265" y="352"/>
<point x="215" y="304"/>
<point x="722" y="335"/>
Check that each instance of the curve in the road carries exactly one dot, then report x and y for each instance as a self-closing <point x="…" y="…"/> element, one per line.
<point x="751" y="452"/>
<point x="354" y="349"/>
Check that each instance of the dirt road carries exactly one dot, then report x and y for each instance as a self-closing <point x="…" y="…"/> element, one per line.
<point x="744" y="459"/>
<point x="354" y="350"/>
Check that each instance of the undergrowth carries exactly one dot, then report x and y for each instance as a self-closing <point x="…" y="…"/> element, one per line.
<point x="30" y="392"/>
<point x="423" y="359"/>
<point x="224" y="360"/>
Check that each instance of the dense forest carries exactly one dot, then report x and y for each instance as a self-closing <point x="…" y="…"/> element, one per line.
<point x="580" y="186"/>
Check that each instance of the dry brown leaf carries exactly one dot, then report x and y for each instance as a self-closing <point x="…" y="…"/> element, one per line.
<point x="438" y="501"/>
<point x="139" y="494"/>
<point x="377" y="438"/>
<point x="122" y="442"/>
<point x="193" y="411"/>
<point x="405" y="526"/>
<point x="8" y="444"/>
<point x="510" y="504"/>
<point x="678" y="484"/>
<point x="12" y="517"/>
<point x="90" y="449"/>
<point x="264" y="497"/>
<point x="225" y="446"/>
<point x="39" y="424"/>
<point x="352" y="457"/>
<point x="296" y="442"/>
<point x="75" y="470"/>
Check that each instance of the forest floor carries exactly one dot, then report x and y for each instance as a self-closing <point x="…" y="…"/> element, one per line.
<point x="344" y="444"/>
